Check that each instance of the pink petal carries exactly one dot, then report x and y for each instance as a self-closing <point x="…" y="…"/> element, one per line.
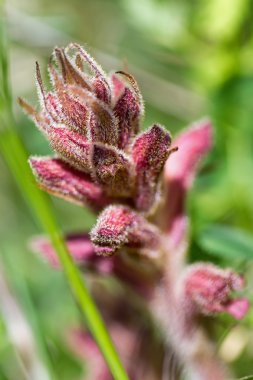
<point x="75" y="113"/>
<point x="101" y="89"/>
<point x="72" y="146"/>
<point x="192" y="145"/>
<point x="118" y="226"/>
<point x="58" y="178"/>
<point x="180" y="170"/>
<point x="112" y="170"/>
<point x="150" y="151"/>
<point x="70" y="109"/>
<point x="128" y="112"/>
<point x="128" y="109"/>
<point x="95" y="91"/>
<point x="118" y="86"/>
<point x="54" y="108"/>
<point x="101" y="122"/>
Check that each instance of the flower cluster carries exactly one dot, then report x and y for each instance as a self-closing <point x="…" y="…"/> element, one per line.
<point x="92" y="122"/>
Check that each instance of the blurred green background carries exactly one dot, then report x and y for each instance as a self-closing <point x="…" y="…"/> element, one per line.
<point x="191" y="58"/>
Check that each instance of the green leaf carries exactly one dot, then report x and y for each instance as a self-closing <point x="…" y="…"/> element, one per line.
<point x="226" y="242"/>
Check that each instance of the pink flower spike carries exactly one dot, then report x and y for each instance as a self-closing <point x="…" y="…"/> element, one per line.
<point x="209" y="289"/>
<point x="118" y="226"/>
<point x="58" y="178"/>
<point x="150" y="152"/>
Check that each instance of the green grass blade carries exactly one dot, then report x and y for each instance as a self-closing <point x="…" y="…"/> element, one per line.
<point x="16" y="157"/>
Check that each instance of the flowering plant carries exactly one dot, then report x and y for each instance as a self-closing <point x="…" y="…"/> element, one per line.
<point x="138" y="182"/>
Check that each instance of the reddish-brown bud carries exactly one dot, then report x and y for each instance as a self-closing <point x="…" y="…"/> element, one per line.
<point x="71" y="72"/>
<point x="128" y="110"/>
<point x="113" y="170"/>
<point x="150" y="151"/>
<point x="120" y="226"/>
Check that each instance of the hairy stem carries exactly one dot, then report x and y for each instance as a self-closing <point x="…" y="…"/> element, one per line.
<point x="184" y="333"/>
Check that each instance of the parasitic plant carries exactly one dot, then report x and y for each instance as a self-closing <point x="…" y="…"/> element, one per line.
<point x="138" y="183"/>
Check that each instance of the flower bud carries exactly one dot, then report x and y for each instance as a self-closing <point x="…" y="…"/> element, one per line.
<point x="209" y="288"/>
<point x="150" y="152"/>
<point x="120" y="226"/>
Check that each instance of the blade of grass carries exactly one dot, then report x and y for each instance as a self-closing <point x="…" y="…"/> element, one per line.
<point x="16" y="157"/>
